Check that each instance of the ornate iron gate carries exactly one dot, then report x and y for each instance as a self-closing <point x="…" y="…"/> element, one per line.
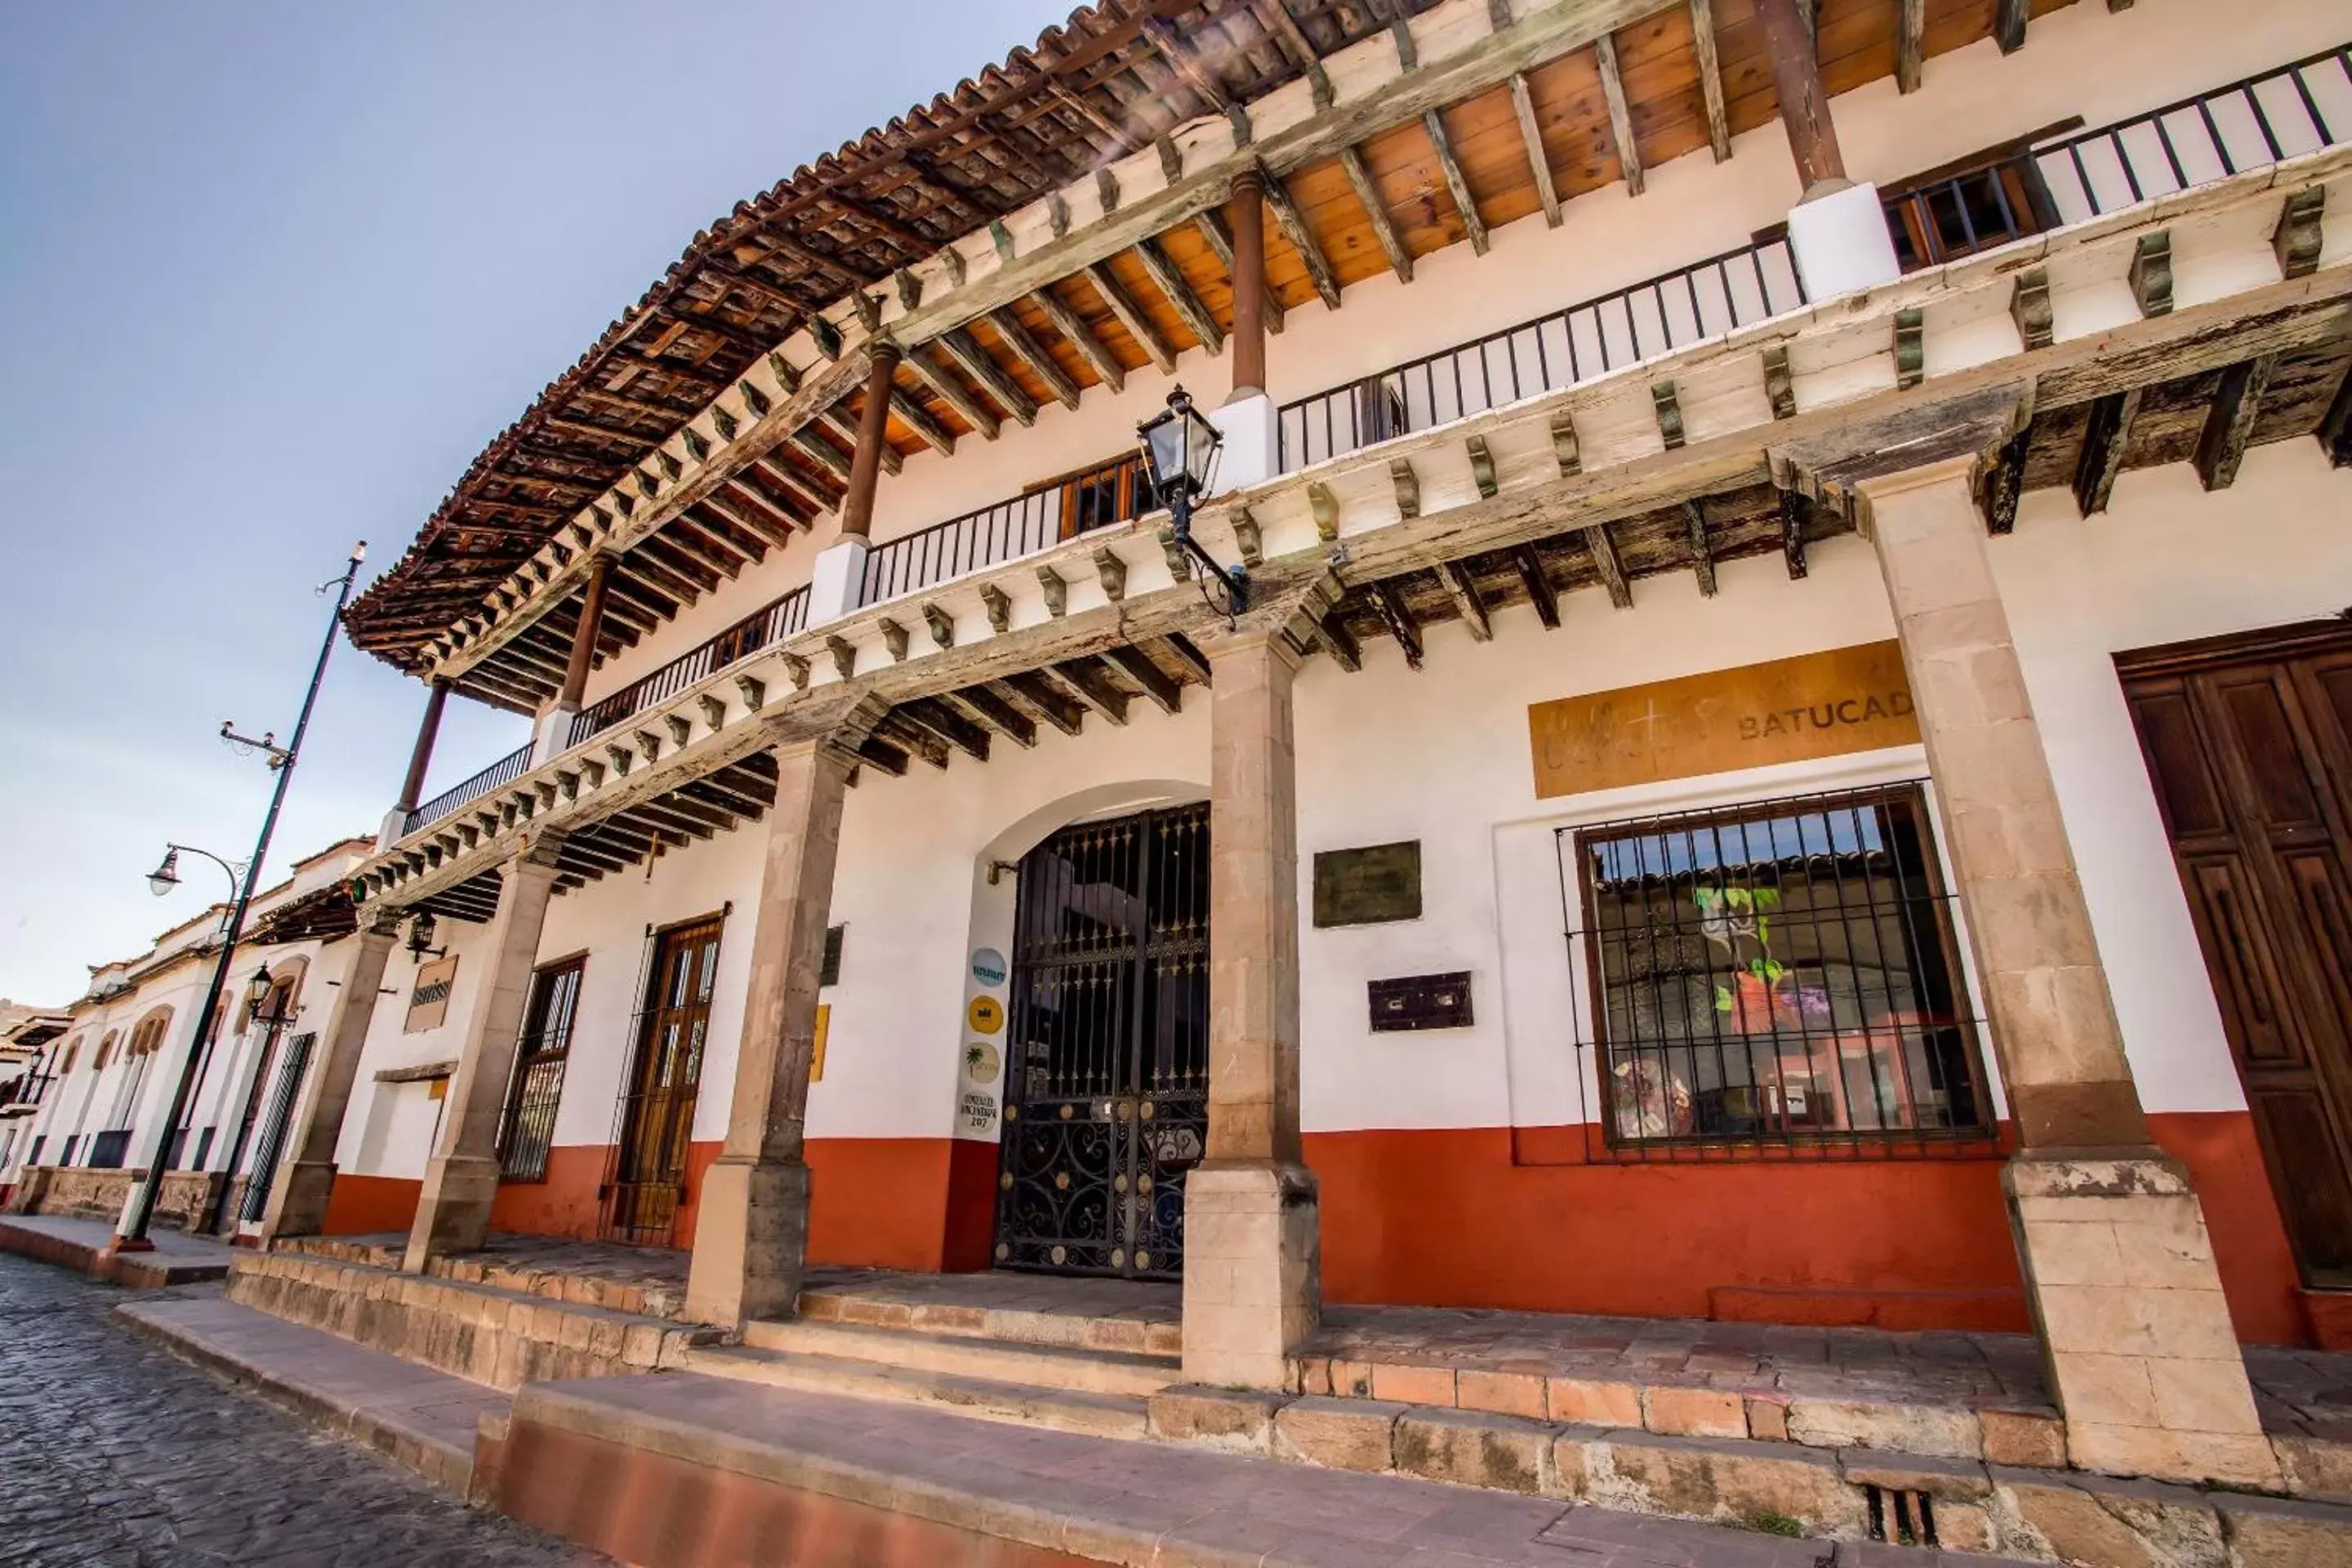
<point x="1107" y="1081"/>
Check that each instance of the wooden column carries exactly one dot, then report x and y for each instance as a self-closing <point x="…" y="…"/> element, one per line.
<point x="584" y="636"/>
<point x="1804" y="102"/>
<point x="2119" y="1266"/>
<point x="420" y="756"/>
<point x="298" y="1203"/>
<point x="1252" y="1265"/>
<point x="1246" y="213"/>
<point x="452" y="1215"/>
<point x="751" y="1235"/>
<point x="873" y="429"/>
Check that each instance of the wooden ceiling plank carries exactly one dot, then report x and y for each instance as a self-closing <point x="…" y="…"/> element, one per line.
<point x="1179" y="294"/>
<point x="1376" y="209"/>
<point x="1465" y="201"/>
<point x="1032" y="353"/>
<point x="1079" y="336"/>
<point x="1130" y="316"/>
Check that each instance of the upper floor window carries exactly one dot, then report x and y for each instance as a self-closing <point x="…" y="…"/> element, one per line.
<point x="1777" y="974"/>
<point x="1099" y="496"/>
<point x="1986" y="199"/>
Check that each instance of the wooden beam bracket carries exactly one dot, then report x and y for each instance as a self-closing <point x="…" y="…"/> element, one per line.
<point x="2301" y="228"/>
<point x="2151" y="273"/>
<point x="2028" y="306"/>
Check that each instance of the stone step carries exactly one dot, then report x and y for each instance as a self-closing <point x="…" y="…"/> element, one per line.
<point x="1132" y="1333"/>
<point x="636" y="1297"/>
<point x="499" y="1337"/>
<point x="1963" y="1505"/>
<point x="1062" y="1409"/>
<point x="1000" y="1361"/>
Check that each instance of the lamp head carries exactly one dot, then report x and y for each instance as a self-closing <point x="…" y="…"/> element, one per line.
<point x="1180" y="451"/>
<point x="166" y="876"/>
<point x="256" y="993"/>
<point x="421" y="933"/>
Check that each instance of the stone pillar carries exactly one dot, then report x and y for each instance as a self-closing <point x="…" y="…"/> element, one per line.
<point x="452" y="1215"/>
<point x="298" y="1204"/>
<point x="2135" y="1331"/>
<point x="751" y="1235"/>
<point x="1252" y="1267"/>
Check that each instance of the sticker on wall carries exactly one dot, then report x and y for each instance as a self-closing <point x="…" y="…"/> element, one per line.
<point x="428" y="995"/>
<point x="988" y="966"/>
<point x="977" y="1113"/>
<point x="986" y="1014"/>
<point x="980" y="1062"/>
<point x="816" y="1047"/>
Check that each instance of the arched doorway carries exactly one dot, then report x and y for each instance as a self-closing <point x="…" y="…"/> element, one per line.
<point x="1107" y="1048"/>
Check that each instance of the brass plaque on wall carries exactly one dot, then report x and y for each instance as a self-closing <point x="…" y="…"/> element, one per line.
<point x="1376" y="883"/>
<point x="1787" y="709"/>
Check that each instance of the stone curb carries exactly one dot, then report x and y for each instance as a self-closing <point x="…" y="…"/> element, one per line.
<point x="445" y="1464"/>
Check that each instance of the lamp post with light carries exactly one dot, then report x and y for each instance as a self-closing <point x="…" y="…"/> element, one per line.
<point x="130" y="1235"/>
<point x="1180" y="458"/>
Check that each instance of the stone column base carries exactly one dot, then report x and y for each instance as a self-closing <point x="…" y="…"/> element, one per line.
<point x="454" y="1214"/>
<point x="1253" y="1271"/>
<point x="298" y="1207"/>
<point x="2135" y="1334"/>
<point x="751" y="1241"/>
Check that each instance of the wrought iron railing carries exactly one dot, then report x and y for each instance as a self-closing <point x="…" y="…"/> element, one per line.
<point x="1096" y="498"/>
<point x="26" y="1090"/>
<point x="1658" y="315"/>
<point x="2279" y="113"/>
<point x="771" y="623"/>
<point x="266" y="1154"/>
<point x="506" y="769"/>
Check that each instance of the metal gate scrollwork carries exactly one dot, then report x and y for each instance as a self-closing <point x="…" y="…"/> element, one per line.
<point x="1107" y="1066"/>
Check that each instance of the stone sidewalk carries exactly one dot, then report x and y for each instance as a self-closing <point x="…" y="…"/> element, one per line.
<point x="73" y="1242"/>
<point x="734" y="1463"/>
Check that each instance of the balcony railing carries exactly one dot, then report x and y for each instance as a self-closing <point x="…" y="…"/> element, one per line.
<point x="771" y="623"/>
<point x="1009" y="529"/>
<point x="1657" y="316"/>
<point x="506" y="769"/>
<point x="2275" y="114"/>
<point x="23" y="1091"/>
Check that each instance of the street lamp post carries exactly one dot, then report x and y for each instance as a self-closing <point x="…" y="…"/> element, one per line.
<point x="131" y="1236"/>
<point x="1179" y="457"/>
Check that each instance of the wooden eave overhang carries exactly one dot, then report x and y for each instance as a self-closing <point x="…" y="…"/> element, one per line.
<point x="1521" y="505"/>
<point x="1049" y="228"/>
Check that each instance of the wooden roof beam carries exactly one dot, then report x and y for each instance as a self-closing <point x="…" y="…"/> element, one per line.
<point x="2105" y="435"/>
<point x="983" y="368"/>
<point x="1523" y="106"/>
<point x="2230" y="422"/>
<point x="1607" y="566"/>
<point x="826" y="455"/>
<point x="1710" y="75"/>
<point x="918" y="418"/>
<point x="1701" y="552"/>
<point x="985" y="706"/>
<point x="1465" y="201"/>
<point x="838" y="421"/>
<point x="1541" y="596"/>
<point x="1130" y="316"/>
<point x="951" y="392"/>
<point x="1211" y="227"/>
<point x="2008" y="25"/>
<point x="1376" y="208"/>
<point x="1053" y="704"/>
<point x="1456" y="579"/>
<point x="780" y="483"/>
<point x="1079" y="336"/>
<point x="1621" y="117"/>
<point x="1032" y="353"/>
<point x="1283" y="28"/>
<point x="1293" y="224"/>
<point x="1180" y="296"/>
<point x="1389" y="603"/>
<point x="1140" y="668"/>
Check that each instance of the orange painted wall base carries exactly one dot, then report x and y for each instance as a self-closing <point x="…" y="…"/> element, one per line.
<point x="1450" y="1218"/>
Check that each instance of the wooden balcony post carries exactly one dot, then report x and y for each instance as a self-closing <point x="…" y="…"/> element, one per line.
<point x="1246" y="213"/>
<point x="1804" y="102"/>
<point x="591" y="627"/>
<point x="866" y="463"/>
<point x="420" y="756"/>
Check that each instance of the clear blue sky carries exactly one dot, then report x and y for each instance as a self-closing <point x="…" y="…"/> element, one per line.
<point x="271" y="273"/>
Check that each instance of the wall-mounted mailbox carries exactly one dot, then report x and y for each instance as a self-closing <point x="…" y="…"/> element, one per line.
<point x="1421" y="1002"/>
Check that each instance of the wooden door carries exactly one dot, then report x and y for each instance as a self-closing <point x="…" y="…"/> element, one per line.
<point x="648" y="1180"/>
<point x="2249" y="742"/>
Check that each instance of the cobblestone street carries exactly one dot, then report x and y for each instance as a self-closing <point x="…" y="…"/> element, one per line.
<point x="113" y="1452"/>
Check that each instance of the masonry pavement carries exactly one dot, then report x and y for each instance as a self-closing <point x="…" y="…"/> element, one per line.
<point x="117" y="1454"/>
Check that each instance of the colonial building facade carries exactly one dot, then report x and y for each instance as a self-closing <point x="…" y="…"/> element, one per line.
<point x="91" y="1110"/>
<point x="1786" y="754"/>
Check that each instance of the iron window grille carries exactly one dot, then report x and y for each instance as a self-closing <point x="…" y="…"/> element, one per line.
<point x="1779" y="979"/>
<point x="527" y="1131"/>
<point x="254" y="1206"/>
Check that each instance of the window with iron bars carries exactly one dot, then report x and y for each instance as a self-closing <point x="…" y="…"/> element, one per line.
<point x="528" y="1130"/>
<point x="1781" y="978"/>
